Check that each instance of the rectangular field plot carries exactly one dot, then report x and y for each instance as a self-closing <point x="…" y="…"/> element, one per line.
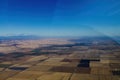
<point x="77" y="76"/>
<point x="48" y="63"/>
<point x="21" y="65"/>
<point x="37" y="58"/>
<point x="26" y="75"/>
<point x="70" y="60"/>
<point x="4" y="65"/>
<point x="70" y="69"/>
<point x="83" y="70"/>
<point x="98" y="64"/>
<point x="42" y="68"/>
<point x="18" y="68"/>
<point x="115" y="66"/>
<point x="63" y="69"/>
<point x="6" y="74"/>
<point x="55" y="76"/>
<point x="116" y="72"/>
<point x="71" y="64"/>
<point x="100" y="71"/>
<point x="53" y="62"/>
<point x="108" y="77"/>
<point x="93" y="77"/>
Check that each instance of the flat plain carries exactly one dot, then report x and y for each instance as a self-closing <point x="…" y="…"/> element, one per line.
<point x="60" y="59"/>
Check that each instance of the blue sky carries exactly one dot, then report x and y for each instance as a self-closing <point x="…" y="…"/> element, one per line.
<point x="60" y="17"/>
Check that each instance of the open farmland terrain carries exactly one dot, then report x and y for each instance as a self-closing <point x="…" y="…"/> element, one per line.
<point x="60" y="59"/>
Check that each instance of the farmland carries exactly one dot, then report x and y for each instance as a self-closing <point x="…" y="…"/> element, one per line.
<point x="76" y="59"/>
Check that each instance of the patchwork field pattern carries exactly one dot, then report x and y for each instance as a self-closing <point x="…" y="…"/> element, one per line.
<point x="78" y="61"/>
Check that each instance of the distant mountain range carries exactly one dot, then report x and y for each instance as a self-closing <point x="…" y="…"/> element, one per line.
<point x="34" y="37"/>
<point x="19" y="37"/>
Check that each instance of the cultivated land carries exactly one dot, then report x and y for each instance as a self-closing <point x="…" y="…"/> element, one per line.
<point x="60" y="59"/>
<point x="7" y="46"/>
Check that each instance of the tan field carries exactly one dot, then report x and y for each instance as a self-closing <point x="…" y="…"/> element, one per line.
<point x="28" y="45"/>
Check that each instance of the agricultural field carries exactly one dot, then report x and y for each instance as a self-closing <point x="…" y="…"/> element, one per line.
<point x="78" y="60"/>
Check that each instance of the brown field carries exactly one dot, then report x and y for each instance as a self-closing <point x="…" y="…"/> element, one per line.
<point x="55" y="76"/>
<point x="6" y="74"/>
